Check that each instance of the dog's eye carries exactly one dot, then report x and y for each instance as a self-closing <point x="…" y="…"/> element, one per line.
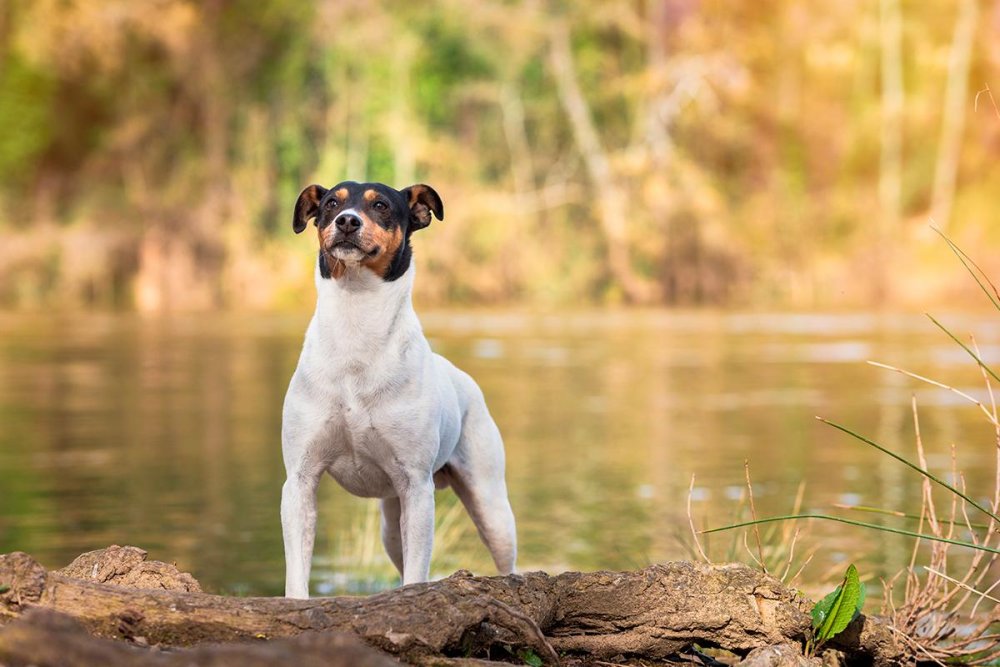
<point x="332" y="203"/>
<point x="380" y="205"/>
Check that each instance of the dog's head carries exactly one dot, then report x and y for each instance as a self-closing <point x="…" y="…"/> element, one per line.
<point x="367" y="224"/>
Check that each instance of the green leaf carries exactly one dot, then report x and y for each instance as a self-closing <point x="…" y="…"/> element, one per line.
<point x="836" y="611"/>
<point x="4" y="588"/>
<point x="822" y="608"/>
<point x="530" y="658"/>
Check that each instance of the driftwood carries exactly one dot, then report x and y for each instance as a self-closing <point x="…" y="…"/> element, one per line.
<point x="45" y="638"/>
<point x="651" y="614"/>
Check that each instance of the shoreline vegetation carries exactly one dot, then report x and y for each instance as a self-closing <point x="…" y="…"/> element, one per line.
<point x="945" y="612"/>
<point x="589" y="152"/>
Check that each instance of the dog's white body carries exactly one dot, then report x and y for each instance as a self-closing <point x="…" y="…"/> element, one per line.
<point x="371" y="404"/>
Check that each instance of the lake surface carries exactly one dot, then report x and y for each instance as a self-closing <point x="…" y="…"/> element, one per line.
<point x="164" y="433"/>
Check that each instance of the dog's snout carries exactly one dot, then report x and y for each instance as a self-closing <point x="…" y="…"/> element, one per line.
<point x="347" y="223"/>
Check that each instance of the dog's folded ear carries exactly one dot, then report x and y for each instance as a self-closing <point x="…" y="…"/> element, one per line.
<point x="423" y="201"/>
<point x="307" y="206"/>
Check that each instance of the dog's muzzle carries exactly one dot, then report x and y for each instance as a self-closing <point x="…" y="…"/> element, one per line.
<point x="349" y="248"/>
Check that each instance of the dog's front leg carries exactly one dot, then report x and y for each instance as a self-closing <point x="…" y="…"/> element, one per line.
<point x="417" y="529"/>
<point x="298" y="527"/>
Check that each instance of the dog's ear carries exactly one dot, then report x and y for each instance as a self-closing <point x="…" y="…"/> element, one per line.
<point x="423" y="201"/>
<point x="307" y="206"/>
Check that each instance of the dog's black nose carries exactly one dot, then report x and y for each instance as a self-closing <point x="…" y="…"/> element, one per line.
<point x="348" y="223"/>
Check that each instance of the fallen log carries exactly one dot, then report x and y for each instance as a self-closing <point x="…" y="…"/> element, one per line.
<point x="651" y="614"/>
<point x="44" y="638"/>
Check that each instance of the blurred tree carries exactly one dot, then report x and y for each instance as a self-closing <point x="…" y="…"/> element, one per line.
<point x="677" y="151"/>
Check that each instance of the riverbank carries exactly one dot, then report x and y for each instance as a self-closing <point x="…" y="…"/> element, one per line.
<point x="115" y="607"/>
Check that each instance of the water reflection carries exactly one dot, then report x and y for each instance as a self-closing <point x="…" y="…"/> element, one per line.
<point x="164" y="433"/>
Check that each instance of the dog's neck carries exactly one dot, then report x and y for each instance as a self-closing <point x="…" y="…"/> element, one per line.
<point x="361" y="311"/>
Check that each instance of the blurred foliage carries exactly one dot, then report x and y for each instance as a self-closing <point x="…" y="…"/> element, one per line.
<point x="717" y="152"/>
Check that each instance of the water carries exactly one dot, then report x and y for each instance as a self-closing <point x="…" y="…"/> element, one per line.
<point x="164" y="433"/>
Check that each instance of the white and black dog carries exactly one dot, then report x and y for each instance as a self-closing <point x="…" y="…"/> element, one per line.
<point x="370" y="403"/>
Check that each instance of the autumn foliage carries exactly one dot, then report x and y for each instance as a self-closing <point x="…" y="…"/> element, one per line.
<point x="658" y="151"/>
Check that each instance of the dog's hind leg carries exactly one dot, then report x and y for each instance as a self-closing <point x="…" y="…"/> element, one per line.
<point x="298" y="527"/>
<point x="476" y="472"/>
<point x="392" y="540"/>
<point x="487" y="504"/>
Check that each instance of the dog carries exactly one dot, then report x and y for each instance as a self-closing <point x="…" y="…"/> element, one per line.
<point x="370" y="403"/>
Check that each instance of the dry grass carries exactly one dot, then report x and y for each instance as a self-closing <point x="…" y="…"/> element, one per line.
<point x="775" y="547"/>
<point x="947" y="613"/>
<point x="942" y="606"/>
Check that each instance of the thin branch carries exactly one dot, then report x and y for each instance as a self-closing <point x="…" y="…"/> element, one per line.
<point x="989" y="93"/>
<point x="799" y="571"/>
<point x="984" y="595"/>
<point x="974" y="401"/>
<point x="926" y="504"/>
<point x="753" y="557"/>
<point x="694" y="532"/>
<point x="791" y="554"/>
<point x="753" y="515"/>
<point x="916" y="645"/>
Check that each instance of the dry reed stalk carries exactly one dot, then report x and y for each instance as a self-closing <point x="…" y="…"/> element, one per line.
<point x="753" y="515"/>
<point x="694" y="532"/>
<point x="935" y="618"/>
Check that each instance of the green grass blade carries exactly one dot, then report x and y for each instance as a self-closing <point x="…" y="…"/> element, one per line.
<point x="930" y="476"/>
<point x="904" y="515"/>
<point x="965" y="347"/>
<point x="977" y="273"/>
<point x="851" y="522"/>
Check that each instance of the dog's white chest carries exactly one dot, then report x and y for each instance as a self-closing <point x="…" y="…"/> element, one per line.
<point x="356" y="430"/>
<point x="355" y="454"/>
<point x="366" y="394"/>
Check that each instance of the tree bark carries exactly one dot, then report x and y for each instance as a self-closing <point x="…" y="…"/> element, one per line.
<point x="44" y="638"/>
<point x="650" y="614"/>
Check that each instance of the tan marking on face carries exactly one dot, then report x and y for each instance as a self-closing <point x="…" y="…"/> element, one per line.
<point x="370" y="196"/>
<point x="389" y="242"/>
<point x="371" y="236"/>
<point x="341" y="194"/>
<point x="325" y="235"/>
<point x="366" y="228"/>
